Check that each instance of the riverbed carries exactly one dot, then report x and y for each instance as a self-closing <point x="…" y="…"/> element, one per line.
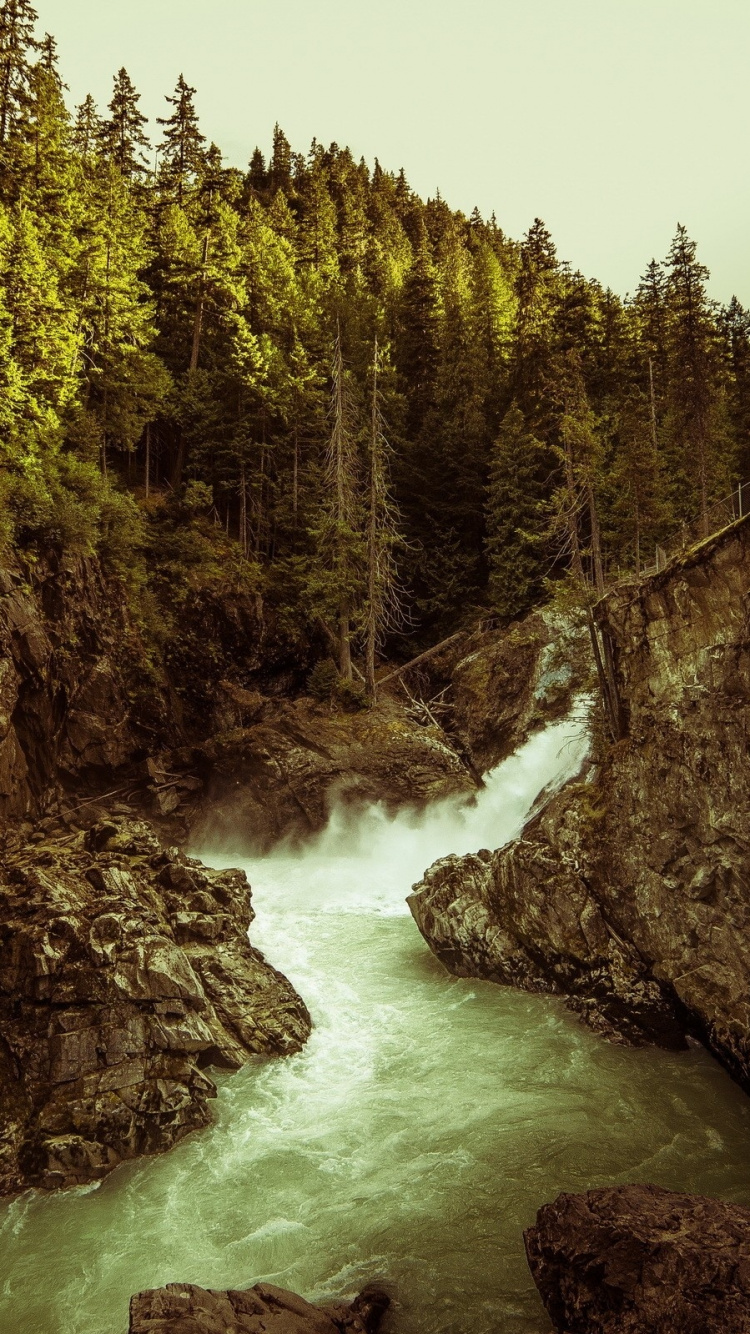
<point x="413" y="1138"/>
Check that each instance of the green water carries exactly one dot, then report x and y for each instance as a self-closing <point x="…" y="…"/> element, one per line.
<point x="414" y="1137"/>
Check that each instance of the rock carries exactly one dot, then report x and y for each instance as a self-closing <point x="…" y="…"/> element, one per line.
<point x="281" y="776"/>
<point x="505" y="918"/>
<point x="507" y="684"/>
<point x="642" y="1260"/>
<point x="630" y="893"/>
<point x="181" y="1308"/>
<point x="77" y="700"/>
<point x="125" y="972"/>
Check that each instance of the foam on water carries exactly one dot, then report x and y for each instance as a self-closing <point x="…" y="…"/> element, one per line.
<point x="416" y="1134"/>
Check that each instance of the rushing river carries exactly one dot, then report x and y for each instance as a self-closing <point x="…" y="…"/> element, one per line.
<point x="413" y="1138"/>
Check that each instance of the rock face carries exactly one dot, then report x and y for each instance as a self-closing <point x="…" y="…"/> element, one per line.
<point x="641" y="1260"/>
<point x="181" y="1308"/>
<point x="280" y="774"/>
<point x="630" y="893"/>
<point x="504" y="685"/>
<point x="75" y="699"/>
<point x="125" y="971"/>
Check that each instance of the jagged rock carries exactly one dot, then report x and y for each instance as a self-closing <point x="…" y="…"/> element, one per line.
<point x="482" y="919"/>
<point x="125" y="971"/>
<point x="75" y="697"/>
<point x="634" y="888"/>
<point x="281" y="776"/>
<point x="181" y="1308"/>
<point x="642" y="1260"/>
<point x="505" y="685"/>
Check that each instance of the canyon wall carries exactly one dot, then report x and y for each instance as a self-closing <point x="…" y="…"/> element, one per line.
<point x="629" y="893"/>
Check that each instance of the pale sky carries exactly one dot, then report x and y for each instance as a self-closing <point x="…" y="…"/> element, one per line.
<point x="610" y="119"/>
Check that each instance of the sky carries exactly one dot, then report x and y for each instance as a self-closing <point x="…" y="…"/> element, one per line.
<point x="613" y="120"/>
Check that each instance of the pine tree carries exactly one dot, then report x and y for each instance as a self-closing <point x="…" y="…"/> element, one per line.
<point x="182" y="143"/>
<point x="17" y="22"/>
<point x="699" y="446"/>
<point x="87" y="132"/>
<point x="734" y="325"/>
<point x="341" y="531"/>
<point x="418" y="337"/>
<point x="384" y="607"/>
<point x="515" y="517"/>
<point x="123" y="137"/>
<point x="280" y="173"/>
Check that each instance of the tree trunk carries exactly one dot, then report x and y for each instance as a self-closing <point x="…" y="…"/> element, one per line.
<point x="596" y="543"/>
<point x="345" y="648"/>
<point x="198" y="321"/>
<point x="372" y="545"/>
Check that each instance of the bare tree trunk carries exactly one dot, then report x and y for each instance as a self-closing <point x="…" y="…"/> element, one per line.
<point x="243" y="511"/>
<point x="198" y="321"/>
<point x="637" y="537"/>
<point x="148" y="459"/>
<point x="596" y="543"/>
<point x="653" y="403"/>
<point x="345" y="646"/>
<point x="372" y="540"/>
<point x="295" y="480"/>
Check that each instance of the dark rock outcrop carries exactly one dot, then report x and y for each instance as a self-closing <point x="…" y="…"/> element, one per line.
<point x="630" y="893"/>
<point x="642" y="1260"/>
<point x="506" y="684"/>
<point x="125" y="971"/>
<point x="181" y="1308"/>
<point x="76" y="697"/>
<point x="280" y="775"/>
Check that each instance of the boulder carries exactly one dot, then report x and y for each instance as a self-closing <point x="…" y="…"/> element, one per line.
<point x="282" y="775"/>
<point x="642" y="1260"/>
<point x="182" y="1308"/>
<point x="125" y="973"/>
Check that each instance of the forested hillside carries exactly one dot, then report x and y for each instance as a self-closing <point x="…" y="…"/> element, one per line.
<point x="302" y="380"/>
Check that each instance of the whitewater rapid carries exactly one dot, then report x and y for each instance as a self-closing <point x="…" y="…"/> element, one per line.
<point x="416" y="1134"/>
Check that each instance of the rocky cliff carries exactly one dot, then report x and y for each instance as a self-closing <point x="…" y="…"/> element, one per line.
<point x="125" y="972"/>
<point x="630" y="892"/>
<point x="78" y="698"/>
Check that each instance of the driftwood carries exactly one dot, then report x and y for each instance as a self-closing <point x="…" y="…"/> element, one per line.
<point x="422" y="658"/>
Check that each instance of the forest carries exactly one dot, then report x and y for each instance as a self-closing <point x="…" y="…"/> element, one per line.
<point x="380" y="416"/>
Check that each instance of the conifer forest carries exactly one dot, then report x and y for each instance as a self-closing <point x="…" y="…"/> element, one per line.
<point x="382" y="417"/>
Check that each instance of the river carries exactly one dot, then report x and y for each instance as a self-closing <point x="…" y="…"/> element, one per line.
<point x="413" y="1138"/>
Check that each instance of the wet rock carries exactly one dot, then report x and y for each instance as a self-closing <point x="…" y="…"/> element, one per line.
<point x="181" y="1308"/>
<point x="481" y="919"/>
<point x="125" y="972"/>
<point x="507" y="684"/>
<point x="634" y="887"/>
<point x="281" y="776"/>
<point x="642" y="1260"/>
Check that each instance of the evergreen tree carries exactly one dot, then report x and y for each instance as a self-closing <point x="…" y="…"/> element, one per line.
<point x="280" y="173"/>
<point x="87" y="132"/>
<point x="515" y="517"/>
<point x="182" y="142"/>
<point x="17" y="22"/>
<point x="340" y="534"/>
<point x="384" y="605"/>
<point x="123" y="137"/>
<point x="699" y="447"/>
